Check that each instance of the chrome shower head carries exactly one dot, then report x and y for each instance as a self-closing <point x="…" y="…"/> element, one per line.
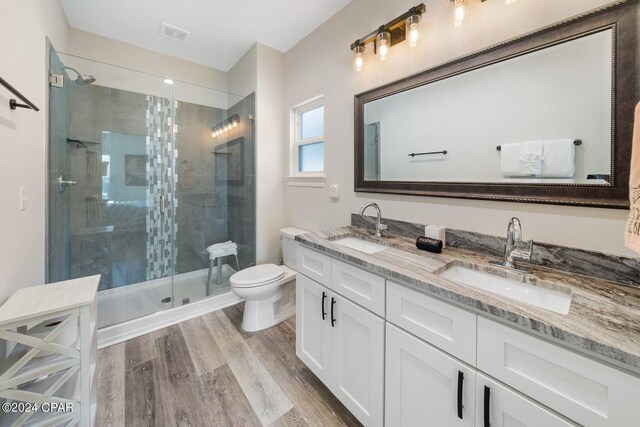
<point x="82" y="79"/>
<point x="85" y="79"/>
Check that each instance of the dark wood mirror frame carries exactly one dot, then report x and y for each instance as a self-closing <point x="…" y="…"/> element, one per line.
<point x="622" y="18"/>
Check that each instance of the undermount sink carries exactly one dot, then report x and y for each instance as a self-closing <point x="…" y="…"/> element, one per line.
<point x="519" y="288"/>
<point x="360" y="245"/>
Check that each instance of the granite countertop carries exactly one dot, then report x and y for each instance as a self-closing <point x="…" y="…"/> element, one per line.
<point x="603" y="320"/>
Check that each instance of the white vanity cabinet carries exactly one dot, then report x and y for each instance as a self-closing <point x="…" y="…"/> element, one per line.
<point x="425" y="386"/>
<point x="383" y="347"/>
<point x="343" y="344"/>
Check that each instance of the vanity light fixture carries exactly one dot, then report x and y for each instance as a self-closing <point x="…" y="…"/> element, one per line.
<point x="225" y="125"/>
<point x="404" y="27"/>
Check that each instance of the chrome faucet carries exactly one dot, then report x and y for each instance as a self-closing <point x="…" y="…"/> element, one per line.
<point x="380" y="227"/>
<point x="511" y="252"/>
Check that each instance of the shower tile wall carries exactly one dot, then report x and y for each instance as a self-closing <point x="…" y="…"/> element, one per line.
<point x="212" y="211"/>
<point x="108" y="236"/>
<point x="59" y="203"/>
<point x="241" y="199"/>
<point x="202" y="206"/>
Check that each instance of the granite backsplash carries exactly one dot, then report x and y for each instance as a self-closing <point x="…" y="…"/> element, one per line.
<point x="616" y="268"/>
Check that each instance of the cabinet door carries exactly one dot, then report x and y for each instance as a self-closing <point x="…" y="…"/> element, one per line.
<point x="497" y="406"/>
<point x="357" y="360"/>
<point x="424" y="386"/>
<point x="312" y="331"/>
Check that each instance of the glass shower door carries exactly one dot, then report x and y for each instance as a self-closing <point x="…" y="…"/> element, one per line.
<point x="112" y="133"/>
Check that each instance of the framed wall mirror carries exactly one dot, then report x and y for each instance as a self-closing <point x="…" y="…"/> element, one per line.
<point x="544" y="118"/>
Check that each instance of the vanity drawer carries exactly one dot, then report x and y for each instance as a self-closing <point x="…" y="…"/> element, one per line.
<point x="314" y="265"/>
<point x="440" y="324"/>
<point x="581" y="389"/>
<point x="360" y="286"/>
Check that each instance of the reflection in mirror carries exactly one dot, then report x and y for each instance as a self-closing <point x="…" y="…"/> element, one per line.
<point x="532" y="106"/>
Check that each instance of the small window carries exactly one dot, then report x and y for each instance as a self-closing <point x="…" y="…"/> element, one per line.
<point x="308" y="141"/>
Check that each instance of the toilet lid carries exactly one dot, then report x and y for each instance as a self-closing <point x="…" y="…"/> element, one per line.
<point x="252" y="276"/>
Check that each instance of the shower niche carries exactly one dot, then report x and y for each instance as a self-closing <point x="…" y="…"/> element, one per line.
<point x="154" y="185"/>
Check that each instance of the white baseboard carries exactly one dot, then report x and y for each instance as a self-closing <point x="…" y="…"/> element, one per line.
<point x="134" y="328"/>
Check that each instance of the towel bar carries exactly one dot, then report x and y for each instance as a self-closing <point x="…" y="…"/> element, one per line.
<point x="80" y="144"/>
<point x="575" y="142"/>
<point x="13" y="104"/>
<point x="427" y="153"/>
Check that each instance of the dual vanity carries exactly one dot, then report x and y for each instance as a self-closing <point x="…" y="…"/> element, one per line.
<point x="404" y="337"/>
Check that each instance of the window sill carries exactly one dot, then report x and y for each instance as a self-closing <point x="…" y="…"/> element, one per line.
<point x="317" y="181"/>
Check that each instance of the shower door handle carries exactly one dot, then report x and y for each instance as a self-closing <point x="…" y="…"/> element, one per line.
<point x="64" y="183"/>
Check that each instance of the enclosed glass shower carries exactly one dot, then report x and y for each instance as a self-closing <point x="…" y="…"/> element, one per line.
<point x="144" y="174"/>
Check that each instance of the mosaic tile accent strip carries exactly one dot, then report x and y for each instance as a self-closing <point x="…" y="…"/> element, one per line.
<point x="161" y="176"/>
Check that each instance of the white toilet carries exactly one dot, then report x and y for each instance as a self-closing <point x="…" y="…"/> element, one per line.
<point x="261" y="286"/>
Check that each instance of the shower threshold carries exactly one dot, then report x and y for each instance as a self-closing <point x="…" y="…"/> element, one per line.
<point x="133" y="310"/>
<point x="129" y="302"/>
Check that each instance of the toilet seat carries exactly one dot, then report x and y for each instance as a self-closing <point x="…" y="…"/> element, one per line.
<point x="258" y="275"/>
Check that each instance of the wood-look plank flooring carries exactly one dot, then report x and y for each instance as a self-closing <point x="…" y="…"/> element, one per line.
<point x="206" y="372"/>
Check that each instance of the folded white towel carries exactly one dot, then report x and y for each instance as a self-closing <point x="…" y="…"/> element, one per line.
<point x="222" y="249"/>
<point x="217" y="253"/>
<point x="521" y="159"/>
<point x="224" y="245"/>
<point x="559" y="158"/>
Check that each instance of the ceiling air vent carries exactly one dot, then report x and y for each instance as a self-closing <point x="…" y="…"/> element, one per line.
<point x="174" y="33"/>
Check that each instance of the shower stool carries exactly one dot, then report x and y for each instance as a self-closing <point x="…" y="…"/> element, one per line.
<point x="212" y="260"/>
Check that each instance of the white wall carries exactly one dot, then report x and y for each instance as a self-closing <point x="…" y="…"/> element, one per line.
<point x="242" y="79"/>
<point x="322" y="64"/>
<point x="24" y="26"/>
<point x="270" y="153"/>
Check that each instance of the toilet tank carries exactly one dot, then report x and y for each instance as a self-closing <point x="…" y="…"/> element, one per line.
<point x="289" y="245"/>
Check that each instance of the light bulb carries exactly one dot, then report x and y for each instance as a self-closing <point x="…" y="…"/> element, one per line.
<point x="413" y="29"/>
<point x="358" y="60"/>
<point x="509" y="2"/>
<point x="459" y="12"/>
<point x="383" y="40"/>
